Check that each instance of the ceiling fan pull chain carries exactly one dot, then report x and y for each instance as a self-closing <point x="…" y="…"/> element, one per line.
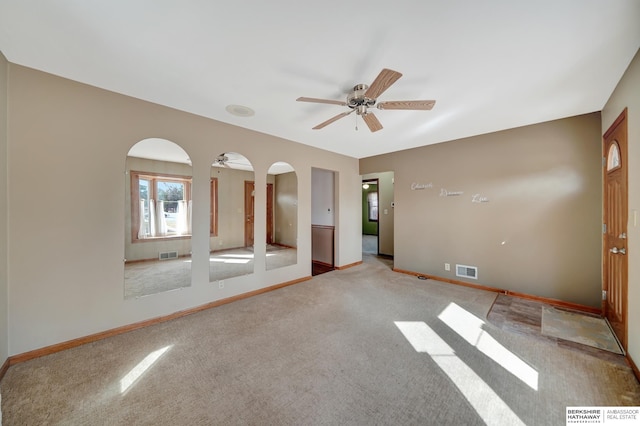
<point x="356" y="122"/>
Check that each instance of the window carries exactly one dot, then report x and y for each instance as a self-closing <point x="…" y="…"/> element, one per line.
<point x="372" y="201"/>
<point x="160" y="206"/>
<point x="613" y="158"/>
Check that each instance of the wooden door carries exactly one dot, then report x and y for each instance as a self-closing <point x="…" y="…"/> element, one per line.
<point x="249" y="210"/>
<point x="615" y="227"/>
<point x="269" y="213"/>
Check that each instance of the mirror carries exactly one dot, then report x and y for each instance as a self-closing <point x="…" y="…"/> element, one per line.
<point x="231" y="217"/>
<point x="282" y="216"/>
<point x="157" y="218"/>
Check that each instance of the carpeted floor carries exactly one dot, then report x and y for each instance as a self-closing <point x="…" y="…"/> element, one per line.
<point x="370" y="244"/>
<point x="152" y="277"/>
<point x="359" y="346"/>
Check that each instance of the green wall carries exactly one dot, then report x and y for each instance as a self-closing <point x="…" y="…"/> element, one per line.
<point x="368" y="227"/>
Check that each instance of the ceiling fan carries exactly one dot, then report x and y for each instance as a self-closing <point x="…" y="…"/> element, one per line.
<point x="363" y="97"/>
<point x="232" y="160"/>
<point x="221" y="160"/>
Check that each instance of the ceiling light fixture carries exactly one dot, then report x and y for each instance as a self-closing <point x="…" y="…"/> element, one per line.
<point x="365" y="186"/>
<point x="240" y="111"/>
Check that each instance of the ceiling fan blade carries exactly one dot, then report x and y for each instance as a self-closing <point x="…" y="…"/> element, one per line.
<point x="321" y="101"/>
<point x="372" y="122"/>
<point x="332" y="119"/>
<point x="412" y="105"/>
<point x="383" y="81"/>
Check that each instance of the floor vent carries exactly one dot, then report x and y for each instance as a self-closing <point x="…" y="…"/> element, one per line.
<point x="465" y="271"/>
<point x="166" y="255"/>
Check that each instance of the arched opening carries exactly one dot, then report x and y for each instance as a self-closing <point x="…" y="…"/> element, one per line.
<point x="231" y="217"/>
<point x="282" y="216"/>
<point x="157" y="218"/>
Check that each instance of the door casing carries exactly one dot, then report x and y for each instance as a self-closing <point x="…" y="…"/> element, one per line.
<point x="614" y="242"/>
<point x="249" y="210"/>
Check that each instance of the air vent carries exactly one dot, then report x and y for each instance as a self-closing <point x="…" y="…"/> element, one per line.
<point x="168" y="255"/>
<point x="465" y="271"/>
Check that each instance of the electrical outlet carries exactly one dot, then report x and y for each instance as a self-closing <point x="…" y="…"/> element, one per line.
<point x="447" y="267"/>
<point x="221" y="284"/>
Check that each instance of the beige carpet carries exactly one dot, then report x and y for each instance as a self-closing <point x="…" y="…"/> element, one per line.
<point x="370" y="244"/>
<point x="152" y="277"/>
<point x="359" y="346"/>
<point x="579" y="328"/>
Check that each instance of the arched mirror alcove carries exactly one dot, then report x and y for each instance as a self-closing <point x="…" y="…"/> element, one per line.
<point x="282" y="216"/>
<point x="157" y="218"/>
<point x="231" y="217"/>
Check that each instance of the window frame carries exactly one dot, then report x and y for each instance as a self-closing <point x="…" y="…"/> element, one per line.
<point x="153" y="177"/>
<point x="614" y="162"/>
<point x="371" y="205"/>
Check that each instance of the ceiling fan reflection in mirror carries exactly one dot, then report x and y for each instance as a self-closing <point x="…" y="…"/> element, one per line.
<point x="232" y="160"/>
<point x="221" y="160"/>
<point x="363" y="97"/>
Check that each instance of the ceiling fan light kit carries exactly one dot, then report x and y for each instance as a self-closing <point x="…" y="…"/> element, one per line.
<point x="362" y="97"/>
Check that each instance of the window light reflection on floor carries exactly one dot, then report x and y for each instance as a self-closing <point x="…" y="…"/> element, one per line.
<point x="136" y="372"/>
<point x="489" y="406"/>
<point x="241" y="261"/>
<point x="469" y="327"/>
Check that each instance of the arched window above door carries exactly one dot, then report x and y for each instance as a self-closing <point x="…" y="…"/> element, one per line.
<point x="613" y="157"/>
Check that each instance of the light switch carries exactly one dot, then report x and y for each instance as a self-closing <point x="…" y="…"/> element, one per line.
<point x="386" y="211"/>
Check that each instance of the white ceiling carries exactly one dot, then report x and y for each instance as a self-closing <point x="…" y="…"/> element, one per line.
<point x="491" y="65"/>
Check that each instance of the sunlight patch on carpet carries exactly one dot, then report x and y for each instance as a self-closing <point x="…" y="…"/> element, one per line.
<point x="489" y="406"/>
<point x="469" y="327"/>
<point x="579" y="328"/>
<point x="138" y="371"/>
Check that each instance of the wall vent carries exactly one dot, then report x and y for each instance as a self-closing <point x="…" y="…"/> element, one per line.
<point x="465" y="271"/>
<point x="166" y="255"/>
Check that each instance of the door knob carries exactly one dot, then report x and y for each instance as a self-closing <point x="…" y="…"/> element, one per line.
<point x="616" y="250"/>
<point x="623" y="235"/>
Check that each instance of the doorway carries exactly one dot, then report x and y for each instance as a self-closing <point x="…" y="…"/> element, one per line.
<point x="249" y="211"/>
<point x="370" y="211"/>
<point x="323" y="220"/>
<point x="269" y="213"/>
<point x="615" y="263"/>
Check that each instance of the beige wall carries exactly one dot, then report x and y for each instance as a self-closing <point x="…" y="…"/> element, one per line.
<point x="323" y="197"/>
<point x="285" y="209"/>
<point x="68" y="143"/>
<point x="231" y="214"/>
<point x="4" y="275"/>
<point x="627" y="95"/>
<point x="538" y="227"/>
